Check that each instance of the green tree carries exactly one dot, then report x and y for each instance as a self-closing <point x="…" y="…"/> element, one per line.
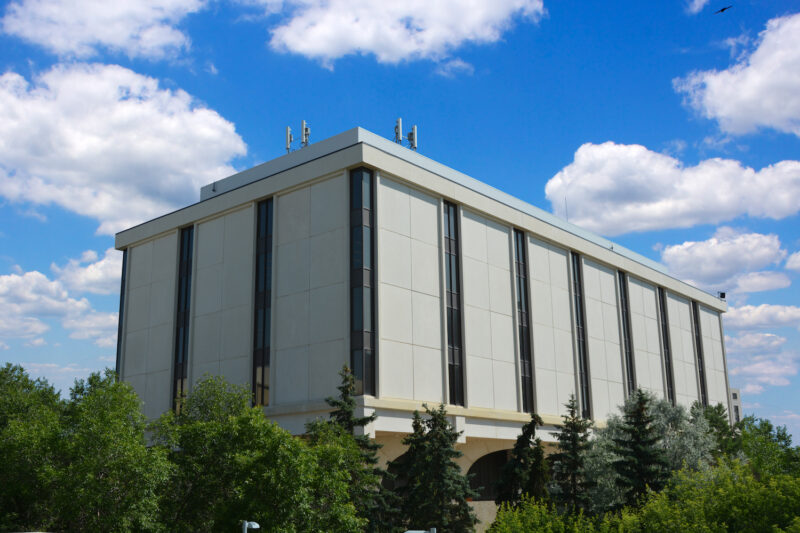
<point x="30" y="431"/>
<point x="371" y="499"/>
<point x="719" y="427"/>
<point x="109" y="479"/>
<point x="436" y="492"/>
<point x="767" y="448"/>
<point x="231" y="462"/>
<point x="527" y="470"/>
<point x="569" y="472"/>
<point x="641" y="462"/>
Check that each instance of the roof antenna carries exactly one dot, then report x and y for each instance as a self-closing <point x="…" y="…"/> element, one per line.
<point x="305" y="135"/>
<point x="398" y="131"/>
<point x="289" y="139"/>
<point x="412" y="138"/>
<point x="566" y="210"/>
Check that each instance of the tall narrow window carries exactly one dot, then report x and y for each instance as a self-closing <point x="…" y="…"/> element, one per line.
<point x="698" y="342"/>
<point x="626" y="332"/>
<point x="180" y="371"/>
<point x="523" y="321"/>
<point x="263" y="303"/>
<point x="455" y="356"/>
<point x="662" y="306"/>
<point x="121" y="310"/>
<point x="580" y="331"/>
<point x="362" y="281"/>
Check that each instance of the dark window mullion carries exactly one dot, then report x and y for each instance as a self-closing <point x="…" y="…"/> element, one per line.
<point x="523" y="323"/>
<point x="580" y="320"/>
<point x="626" y="332"/>
<point x="263" y="303"/>
<point x="698" y="341"/>
<point x="362" y="280"/>
<point x="182" y="315"/>
<point x="666" y="344"/>
<point x="453" y="303"/>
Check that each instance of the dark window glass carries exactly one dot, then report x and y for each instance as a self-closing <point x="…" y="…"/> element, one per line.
<point x="454" y="337"/>
<point x="180" y="369"/>
<point x="665" y="342"/>
<point x="523" y="321"/>
<point x="362" y="305"/>
<point x="263" y="303"/>
<point x="698" y="346"/>
<point x="580" y="321"/>
<point x="627" y="340"/>
<point x="118" y="368"/>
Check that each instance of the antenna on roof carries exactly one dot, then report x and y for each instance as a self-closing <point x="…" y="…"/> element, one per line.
<point x="305" y="133"/>
<point x="412" y="138"/>
<point x="398" y="131"/>
<point x="289" y="139"/>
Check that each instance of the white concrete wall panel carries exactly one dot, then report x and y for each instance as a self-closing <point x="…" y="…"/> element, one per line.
<point x="311" y="305"/>
<point x="602" y="333"/>
<point x="682" y="344"/>
<point x="410" y="291"/>
<point x="489" y="328"/>
<point x="712" y="353"/>
<point x="551" y="320"/>
<point x="223" y="296"/>
<point x="645" y="337"/>
<point x="150" y="325"/>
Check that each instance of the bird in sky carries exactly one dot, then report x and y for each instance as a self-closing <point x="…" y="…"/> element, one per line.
<point x="722" y="10"/>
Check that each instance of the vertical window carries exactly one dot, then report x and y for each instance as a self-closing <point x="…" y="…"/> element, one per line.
<point x="362" y="281"/>
<point x="121" y="310"/>
<point x="523" y="320"/>
<point x="263" y="303"/>
<point x="736" y="413"/>
<point x="455" y="356"/>
<point x="626" y="332"/>
<point x="662" y="306"/>
<point x="580" y="332"/>
<point x="698" y="343"/>
<point x="180" y="371"/>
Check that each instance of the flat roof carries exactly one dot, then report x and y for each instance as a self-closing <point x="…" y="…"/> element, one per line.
<point x="360" y="135"/>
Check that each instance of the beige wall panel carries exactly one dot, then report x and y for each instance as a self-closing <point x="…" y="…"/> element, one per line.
<point x="683" y="356"/>
<point x="551" y="319"/>
<point x="409" y="285"/>
<point x="603" y="341"/>
<point x="648" y="359"/>
<point x="712" y="354"/>
<point x="489" y="331"/>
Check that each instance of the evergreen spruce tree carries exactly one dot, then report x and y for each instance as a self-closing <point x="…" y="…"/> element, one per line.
<point x="372" y="501"/>
<point x="568" y="463"/>
<point x="641" y="462"/>
<point x="436" y="493"/>
<point x="527" y="470"/>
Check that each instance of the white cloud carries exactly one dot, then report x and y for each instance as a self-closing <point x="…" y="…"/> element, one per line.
<point x="728" y="261"/>
<point x="27" y="300"/>
<point x="4" y="346"/>
<point x="616" y="188"/>
<point x="454" y="67"/>
<point x="762" y="316"/>
<point x="694" y="7"/>
<point x="761" y="371"/>
<point x="90" y="274"/>
<point x="793" y="263"/>
<point x="754" y="342"/>
<point x="762" y="90"/>
<point x="108" y="143"/>
<point x="37" y="342"/>
<point x="80" y="28"/>
<point x="392" y="31"/>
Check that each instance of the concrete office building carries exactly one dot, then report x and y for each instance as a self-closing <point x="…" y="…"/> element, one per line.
<point x="433" y="286"/>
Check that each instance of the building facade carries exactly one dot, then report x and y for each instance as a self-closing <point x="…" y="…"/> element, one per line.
<point x="432" y="286"/>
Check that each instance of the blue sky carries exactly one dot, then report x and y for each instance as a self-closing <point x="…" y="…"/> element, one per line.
<point x="668" y="127"/>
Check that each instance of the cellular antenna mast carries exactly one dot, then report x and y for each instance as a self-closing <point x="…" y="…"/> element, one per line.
<point x="289" y="139"/>
<point x="398" y="131"/>
<point x="412" y="138"/>
<point x="305" y="133"/>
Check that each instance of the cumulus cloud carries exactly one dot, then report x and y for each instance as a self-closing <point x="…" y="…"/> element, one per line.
<point x="80" y="28"/>
<point x="108" y="143"/>
<point x="694" y="7"/>
<point x="761" y="371"/>
<point x="793" y="263"/>
<point x="395" y="31"/>
<point x="762" y="316"/>
<point x="29" y="299"/>
<point x="728" y="261"/>
<point x="454" y="67"/>
<point x="754" y="342"/>
<point x="617" y="188"/>
<point x="761" y="90"/>
<point x="90" y="274"/>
